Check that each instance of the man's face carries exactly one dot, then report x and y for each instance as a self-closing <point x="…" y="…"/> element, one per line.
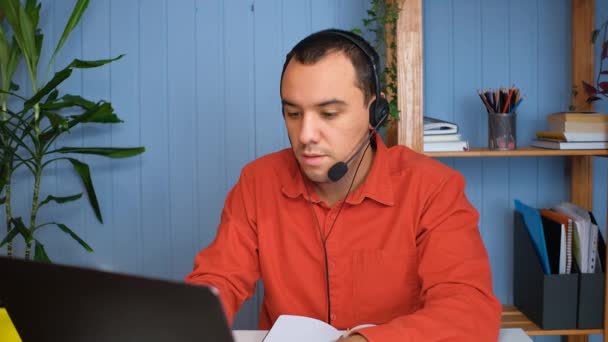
<point x="325" y="113"/>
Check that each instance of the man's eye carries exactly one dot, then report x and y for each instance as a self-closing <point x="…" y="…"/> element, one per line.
<point x="329" y="114"/>
<point x="293" y="114"/>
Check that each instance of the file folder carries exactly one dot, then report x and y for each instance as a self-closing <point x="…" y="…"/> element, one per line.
<point x="549" y="300"/>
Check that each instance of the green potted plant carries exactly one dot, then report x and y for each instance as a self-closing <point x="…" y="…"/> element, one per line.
<point x="381" y="21"/>
<point x="30" y="127"/>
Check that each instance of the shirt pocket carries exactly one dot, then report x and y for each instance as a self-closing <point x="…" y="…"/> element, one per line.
<point x="385" y="285"/>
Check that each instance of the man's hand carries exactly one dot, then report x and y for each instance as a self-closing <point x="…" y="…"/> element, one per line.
<point x="353" y="338"/>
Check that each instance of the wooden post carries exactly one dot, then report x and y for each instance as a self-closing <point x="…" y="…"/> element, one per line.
<point x="408" y="130"/>
<point x="581" y="181"/>
<point x="582" y="50"/>
<point x="583" y="57"/>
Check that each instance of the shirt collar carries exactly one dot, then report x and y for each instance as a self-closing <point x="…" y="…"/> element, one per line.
<point x="377" y="185"/>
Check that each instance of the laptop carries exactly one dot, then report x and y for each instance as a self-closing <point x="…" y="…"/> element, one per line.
<point x="48" y="302"/>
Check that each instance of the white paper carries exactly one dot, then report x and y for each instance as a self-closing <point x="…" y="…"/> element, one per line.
<point x="301" y="329"/>
<point x="513" y="335"/>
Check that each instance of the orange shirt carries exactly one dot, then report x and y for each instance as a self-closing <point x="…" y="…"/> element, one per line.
<point x="405" y="252"/>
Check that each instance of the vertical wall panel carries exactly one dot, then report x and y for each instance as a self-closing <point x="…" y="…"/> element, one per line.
<point x="96" y="86"/>
<point x="211" y="96"/>
<point x="523" y="54"/>
<point x="239" y="130"/>
<point x="465" y="38"/>
<point x="126" y="221"/>
<point x="269" y="56"/>
<point x="152" y="99"/>
<point x="495" y="73"/>
<point x="239" y="140"/>
<point x="553" y="93"/>
<point x="182" y="134"/>
<point x="323" y="14"/>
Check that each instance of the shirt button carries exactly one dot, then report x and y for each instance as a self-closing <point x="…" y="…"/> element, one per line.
<point x="333" y="317"/>
<point x="332" y="264"/>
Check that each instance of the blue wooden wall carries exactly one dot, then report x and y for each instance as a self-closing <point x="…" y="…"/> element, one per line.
<point x="199" y="88"/>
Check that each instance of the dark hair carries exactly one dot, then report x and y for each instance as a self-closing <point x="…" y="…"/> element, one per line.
<point x="317" y="45"/>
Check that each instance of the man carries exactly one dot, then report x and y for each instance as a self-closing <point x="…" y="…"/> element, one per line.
<point x="391" y="241"/>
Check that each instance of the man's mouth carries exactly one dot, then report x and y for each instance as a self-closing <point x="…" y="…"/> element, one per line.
<point x="312" y="159"/>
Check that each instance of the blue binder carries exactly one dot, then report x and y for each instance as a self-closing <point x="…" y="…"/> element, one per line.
<point x="534" y="223"/>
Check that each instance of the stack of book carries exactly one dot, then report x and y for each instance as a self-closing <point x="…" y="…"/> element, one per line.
<point x="574" y="131"/>
<point x="440" y="135"/>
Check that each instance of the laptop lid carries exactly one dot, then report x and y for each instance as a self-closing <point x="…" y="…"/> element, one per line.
<point x="48" y="302"/>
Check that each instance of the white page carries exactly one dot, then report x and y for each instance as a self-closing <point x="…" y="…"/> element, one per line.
<point x="513" y="335"/>
<point x="562" y="251"/>
<point x="581" y="230"/>
<point x="301" y="329"/>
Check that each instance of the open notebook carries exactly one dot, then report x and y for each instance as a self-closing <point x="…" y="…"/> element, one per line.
<point x="305" y="329"/>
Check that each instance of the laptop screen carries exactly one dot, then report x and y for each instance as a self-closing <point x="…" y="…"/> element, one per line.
<point x="48" y="302"/>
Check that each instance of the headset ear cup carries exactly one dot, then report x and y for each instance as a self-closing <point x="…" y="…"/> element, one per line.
<point x="378" y="112"/>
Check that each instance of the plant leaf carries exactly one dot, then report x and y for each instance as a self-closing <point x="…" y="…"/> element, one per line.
<point x="77" y="12"/>
<point x="80" y="64"/>
<point x="51" y="98"/>
<point x="594" y="35"/>
<point x="40" y="253"/>
<point x="59" y="77"/>
<point x="74" y="236"/>
<point x="101" y="113"/>
<point x="110" y="152"/>
<point x="28" y="36"/>
<point x="3" y="173"/>
<point x="60" y="200"/>
<point x="4" y="53"/>
<point x="18" y="224"/>
<point x="85" y="175"/>
<point x="33" y="11"/>
<point x="68" y="101"/>
<point x="13" y="87"/>
<point x="58" y="122"/>
<point x="592" y="99"/>
<point x="603" y="86"/>
<point x="9" y="236"/>
<point x="9" y="57"/>
<point x="12" y="9"/>
<point x="589" y="89"/>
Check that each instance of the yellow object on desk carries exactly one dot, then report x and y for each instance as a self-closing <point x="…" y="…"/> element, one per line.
<point x="9" y="334"/>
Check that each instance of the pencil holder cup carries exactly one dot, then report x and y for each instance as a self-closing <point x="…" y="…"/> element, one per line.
<point x="501" y="131"/>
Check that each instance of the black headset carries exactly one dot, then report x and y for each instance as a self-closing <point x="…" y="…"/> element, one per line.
<point x="379" y="109"/>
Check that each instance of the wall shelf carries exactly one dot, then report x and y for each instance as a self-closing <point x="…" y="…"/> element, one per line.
<point x="520" y="152"/>
<point x="513" y="318"/>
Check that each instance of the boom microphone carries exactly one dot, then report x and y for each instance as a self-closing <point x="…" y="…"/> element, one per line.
<point x="339" y="169"/>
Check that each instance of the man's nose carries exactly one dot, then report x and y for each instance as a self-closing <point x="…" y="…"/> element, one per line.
<point x="310" y="129"/>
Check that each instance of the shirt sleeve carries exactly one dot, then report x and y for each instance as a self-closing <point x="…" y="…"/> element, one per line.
<point x="456" y="284"/>
<point x="230" y="262"/>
